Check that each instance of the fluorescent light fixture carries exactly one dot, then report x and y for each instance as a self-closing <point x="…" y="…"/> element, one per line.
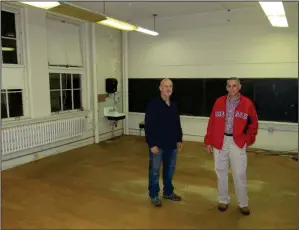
<point x="43" y="5"/>
<point x="272" y="8"/>
<point x="275" y="13"/>
<point x="111" y="22"/>
<point x="8" y="49"/>
<point x="278" y="21"/>
<point x="146" y="31"/>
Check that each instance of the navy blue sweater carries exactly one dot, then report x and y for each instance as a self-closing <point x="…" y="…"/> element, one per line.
<point x="162" y="124"/>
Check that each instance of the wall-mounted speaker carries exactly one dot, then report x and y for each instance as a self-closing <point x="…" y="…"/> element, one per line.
<point x="111" y="85"/>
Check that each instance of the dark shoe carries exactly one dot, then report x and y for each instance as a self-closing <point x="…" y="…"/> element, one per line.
<point x="172" y="197"/>
<point x="222" y="207"/>
<point x="245" y="211"/>
<point x="156" y="202"/>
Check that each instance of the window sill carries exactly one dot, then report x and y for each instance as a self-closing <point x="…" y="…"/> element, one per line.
<point x="9" y="123"/>
<point x="5" y="65"/>
<point x="69" y="113"/>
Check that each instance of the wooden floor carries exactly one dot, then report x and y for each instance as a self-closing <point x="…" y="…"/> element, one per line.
<point x="104" y="186"/>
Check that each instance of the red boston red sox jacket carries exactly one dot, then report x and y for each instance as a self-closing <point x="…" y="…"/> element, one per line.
<point x="245" y="123"/>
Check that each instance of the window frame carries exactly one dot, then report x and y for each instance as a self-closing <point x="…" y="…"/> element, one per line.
<point x="62" y="71"/>
<point x="17" y="11"/>
<point x="84" y="71"/>
<point x="8" y="118"/>
<point x="20" y="27"/>
<point x="76" y="22"/>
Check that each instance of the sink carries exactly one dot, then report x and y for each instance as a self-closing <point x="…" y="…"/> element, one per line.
<point x="115" y="116"/>
<point x="112" y="114"/>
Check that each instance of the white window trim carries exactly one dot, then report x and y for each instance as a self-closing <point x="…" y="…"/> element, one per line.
<point x="18" y="10"/>
<point x="8" y="119"/>
<point x="53" y="69"/>
<point x="19" y="18"/>
<point x="62" y="70"/>
<point x="81" y="25"/>
<point x="85" y="70"/>
<point x="60" y="90"/>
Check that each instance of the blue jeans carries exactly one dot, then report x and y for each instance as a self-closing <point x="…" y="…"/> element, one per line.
<point x="168" y="157"/>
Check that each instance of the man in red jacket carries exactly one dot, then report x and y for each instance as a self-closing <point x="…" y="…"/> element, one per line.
<point x="232" y="127"/>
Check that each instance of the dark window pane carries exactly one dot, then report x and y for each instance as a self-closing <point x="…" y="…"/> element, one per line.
<point x="67" y="100"/>
<point x="3" y="106"/>
<point x="66" y="80"/>
<point x="54" y="80"/>
<point x="76" y="81"/>
<point x="9" y="51"/>
<point x="14" y="90"/>
<point x="15" y="104"/>
<point x="55" y="101"/>
<point x="8" y="28"/>
<point x="77" y="99"/>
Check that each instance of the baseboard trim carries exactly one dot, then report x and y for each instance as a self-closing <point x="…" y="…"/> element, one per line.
<point x="136" y="132"/>
<point x="108" y="135"/>
<point x="46" y="153"/>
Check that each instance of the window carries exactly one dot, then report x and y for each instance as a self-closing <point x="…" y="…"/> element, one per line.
<point x="65" y="40"/>
<point x="64" y="44"/>
<point x="9" y="38"/>
<point x="11" y="103"/>
<point x="65" y="92"/>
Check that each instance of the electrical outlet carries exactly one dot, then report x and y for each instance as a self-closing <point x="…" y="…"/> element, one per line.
<point x="271" y="130"/>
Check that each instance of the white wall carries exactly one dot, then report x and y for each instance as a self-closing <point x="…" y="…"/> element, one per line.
<point x="37" y="62"/>
<point x="208" y="46"/>
<point x="109" y="65"/>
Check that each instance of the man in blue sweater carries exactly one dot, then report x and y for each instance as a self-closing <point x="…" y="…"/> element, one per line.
<point x="164" y="137"/>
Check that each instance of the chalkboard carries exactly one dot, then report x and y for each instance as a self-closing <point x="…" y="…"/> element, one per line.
<point x="275" y="99"/>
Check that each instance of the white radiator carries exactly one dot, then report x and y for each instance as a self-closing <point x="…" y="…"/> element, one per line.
<point x="33" y="135"/>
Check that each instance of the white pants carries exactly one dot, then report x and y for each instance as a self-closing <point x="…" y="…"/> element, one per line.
<point x="238" y="160"/>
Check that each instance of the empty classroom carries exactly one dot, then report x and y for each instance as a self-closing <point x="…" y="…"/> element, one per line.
<point x="77" y="81"/>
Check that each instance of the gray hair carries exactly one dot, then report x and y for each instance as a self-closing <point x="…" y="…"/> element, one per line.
<point x="235" y="79"/>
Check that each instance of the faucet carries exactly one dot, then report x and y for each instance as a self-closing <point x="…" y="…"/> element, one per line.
<point x="112" y="109"/>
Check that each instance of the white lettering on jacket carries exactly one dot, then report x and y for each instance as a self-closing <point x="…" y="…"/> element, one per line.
<point x="219" y="114"/>
<point x="241" y="115"/>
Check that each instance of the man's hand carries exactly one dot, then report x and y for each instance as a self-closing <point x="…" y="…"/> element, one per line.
<point x="180" y="146"/>
<point x="209" y="149"/>
<point x="155" y="150"/>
